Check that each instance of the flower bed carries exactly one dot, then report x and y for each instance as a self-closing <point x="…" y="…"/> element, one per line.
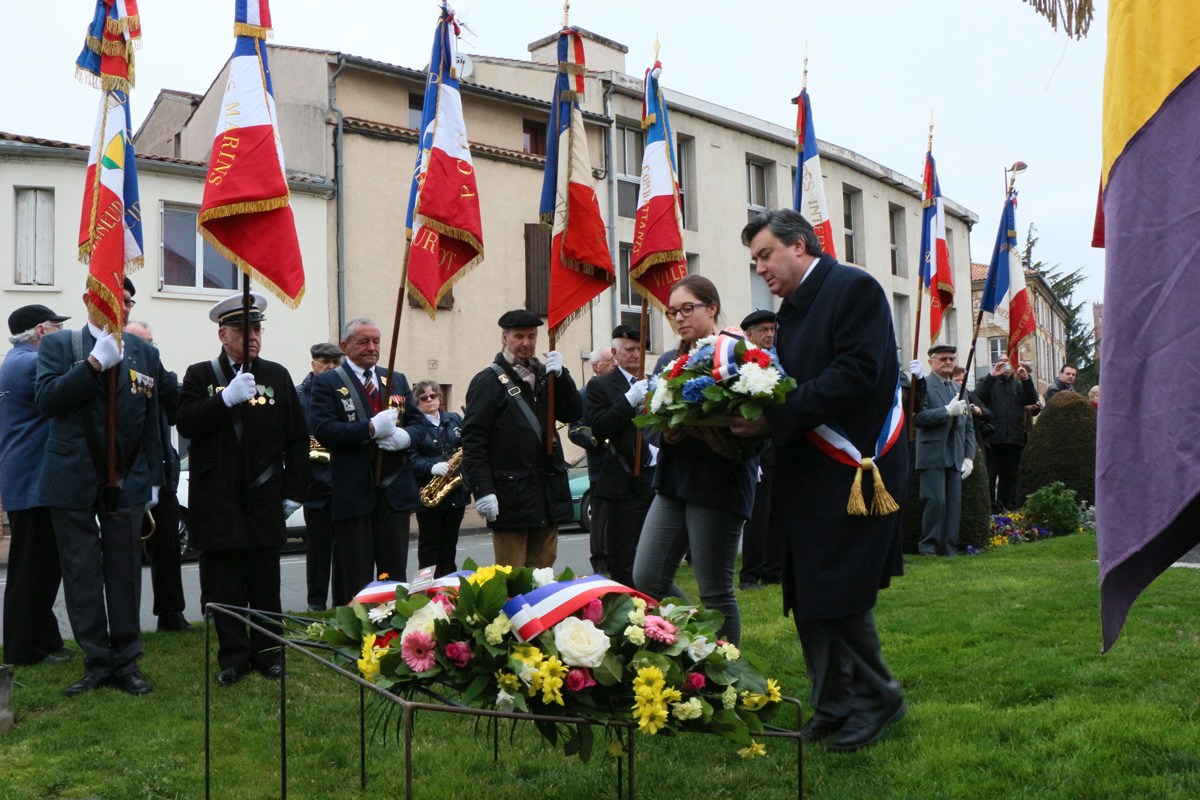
<point x="1011" y="529"/>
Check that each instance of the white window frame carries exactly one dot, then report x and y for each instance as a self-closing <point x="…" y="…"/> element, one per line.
<point x="33" y="239"/>
<point x="620" y="140"/>
<point x="898" y="240"/>
<point x="852" y="211"/>
<point x="757" y="205"/>
<point x="997" y="347"/>
<point x="163" y="207"/>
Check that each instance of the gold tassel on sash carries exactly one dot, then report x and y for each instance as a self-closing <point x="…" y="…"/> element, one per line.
<point x="881" y="505"/>
<point x="856" y="507"/>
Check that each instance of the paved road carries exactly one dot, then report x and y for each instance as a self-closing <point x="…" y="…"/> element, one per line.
<point x="573" y="552"/>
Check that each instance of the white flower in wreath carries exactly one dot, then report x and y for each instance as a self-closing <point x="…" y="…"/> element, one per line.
<point x="424" y="619"/>
<point x="382" y="611"/>
<point x="504" y="701"/>
<point x="700" y="648"/>
<point x="497" y="628"/>
<point x="755" y="381"/>
<point x="580" y="643"/>
<point x="527" y="672"/>
<point x="689" y="710"/>
<point x="662" y="398"/>
<point x="636" y="635"/>
<point x="543" y="576"/>
<point x="705" y="342"/>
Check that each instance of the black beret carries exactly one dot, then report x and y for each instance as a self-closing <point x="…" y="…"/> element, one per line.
<point x="129" y="287"/>
<point x="942" y="348"/>
<point x="520" y="318"/>
<point x="325" y="350"/>
<point x="29" y="317"/>
<point x="757" y="317"/>
<point x="630" y="332"/>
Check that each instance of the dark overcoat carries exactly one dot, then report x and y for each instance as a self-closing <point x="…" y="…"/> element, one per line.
<point x="612" y="421"/>
<point x="277" y="438"/>
<point x="835" y="338"/>
<point x="503" y="455"/>
<point x="338" y="426"/>
<point x="1007" y="397"/>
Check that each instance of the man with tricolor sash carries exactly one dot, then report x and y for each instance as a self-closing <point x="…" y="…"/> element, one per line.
<point x="835" y="337"/>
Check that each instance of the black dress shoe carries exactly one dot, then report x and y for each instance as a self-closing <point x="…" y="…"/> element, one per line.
<point x="854" y="736"/>
<point x="174" y="623"/>
<point x="818" y="728"/>
<point x="316" y="606"/>
<point x="230" y="676"/>
<point x="750" y="586"/>
<point x="84" y="684"/>
<point x="133" y="683"/>
<point x="53" y="659"/>
<point x="274" y="672"/>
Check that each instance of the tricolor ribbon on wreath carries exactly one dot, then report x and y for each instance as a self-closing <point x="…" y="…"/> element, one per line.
<point x="545" y="607"/>
<point x="725" y="353"/>
<point x="383" y="591"/>
<point x="832" y="441"/>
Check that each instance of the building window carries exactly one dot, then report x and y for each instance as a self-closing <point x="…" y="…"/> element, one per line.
<point x="898" y="241"/>
<point x="900" y="321"/>
<point x="631" y="301"/>
<point x="533" y="137"/>
<point x="416" y="107"/>
<point x="685" y="155"/>
<point x="851" y="216"/>
<point x="997" y="348"/>
<point x="949" y="333"/>
<point x="629" y="144"/>
<point x="760" y="295"/>
<point x="188" y="261"/>
<point x="35" y="237"/>
<point x="757" y="187"/>
<point x="950" y="248"/>
<point x="537" y="268"/>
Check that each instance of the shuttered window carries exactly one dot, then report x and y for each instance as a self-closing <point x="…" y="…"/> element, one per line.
<point x="35" y="237"/>
<point x="537" y="269"/>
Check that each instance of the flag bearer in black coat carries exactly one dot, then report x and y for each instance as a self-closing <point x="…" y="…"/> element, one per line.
<point x="835" y="338"/>
<point x="520" y="489"/>
<point x="227" y="405"/>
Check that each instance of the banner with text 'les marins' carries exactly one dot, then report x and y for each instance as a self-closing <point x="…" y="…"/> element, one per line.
<point x="809" y="191"/>
<point x="246" y="213"/>
<point x="443" y="204"/>
<point x="936" y="277"/>
<point x="657" y="261"/>
<point x="580" y="261"/>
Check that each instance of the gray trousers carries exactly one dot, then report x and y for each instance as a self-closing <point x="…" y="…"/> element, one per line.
<point x="671" y="526"/>
<point x="941" y="489"/>
<point x="102" y="583"/>
<point x="846" y="667"/>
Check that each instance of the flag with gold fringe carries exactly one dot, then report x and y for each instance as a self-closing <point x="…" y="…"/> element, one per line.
<point x="657" y="261"/>
<point x="246" y="213"/>
<point x="443" y="203"/>
<point x="106" y="60"/>
<point x="580" y="262"/>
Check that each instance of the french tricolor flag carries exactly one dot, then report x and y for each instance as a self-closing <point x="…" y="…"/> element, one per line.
<point x="580" y="262"/>
<point x="936" y="276"/>
<point x="545" y="607"/>
<point x="1005" y="295"/>
<point x="657" y="261"/>
<point x="246" y="213"/>
<point x="809" y="192"/>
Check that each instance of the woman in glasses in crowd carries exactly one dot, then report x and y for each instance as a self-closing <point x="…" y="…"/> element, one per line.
<point x="704" y="487"/>
<point x="440" y="439"/>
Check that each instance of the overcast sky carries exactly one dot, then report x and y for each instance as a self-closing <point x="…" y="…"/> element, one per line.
<point x="1003" y="86"/>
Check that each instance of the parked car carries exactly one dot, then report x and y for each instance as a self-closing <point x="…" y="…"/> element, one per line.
<point x="581" y="495"/>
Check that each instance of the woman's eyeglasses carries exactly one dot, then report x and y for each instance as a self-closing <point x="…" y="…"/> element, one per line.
<point x="424" y="397"/>
<point x="685" y="310"/>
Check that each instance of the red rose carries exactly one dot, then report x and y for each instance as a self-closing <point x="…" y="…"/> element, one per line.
<point x="694" y="682"/>
<point x="579" y="678"/>
<point x="459" y="653"/>
<point x="757" y="356"/>
<point x="383" y="641"/>
<point x="677" y="370"/>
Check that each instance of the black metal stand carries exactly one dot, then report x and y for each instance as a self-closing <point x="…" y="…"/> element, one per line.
<point x="625" y="729"/>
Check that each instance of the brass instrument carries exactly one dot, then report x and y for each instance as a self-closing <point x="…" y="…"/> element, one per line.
<point x="434" y="493"/>
<point x="316" y="451"/>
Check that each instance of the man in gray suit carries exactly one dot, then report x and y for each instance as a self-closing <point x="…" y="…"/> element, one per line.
<point x="945" y="454"/>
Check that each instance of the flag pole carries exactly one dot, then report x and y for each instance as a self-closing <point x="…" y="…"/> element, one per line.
<point x="247" y="461"/>
<point x="550" y="400"/>
<point x="111" y="410"/>
<point x="391" y="364"/>
<point x="912" y="391"/>
<point x="643" y="331"/>
<point x="804" y="82"/>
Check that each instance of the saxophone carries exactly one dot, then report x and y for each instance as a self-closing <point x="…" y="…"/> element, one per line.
<point x="316" y="452"/>
<point x="434" y="493"/>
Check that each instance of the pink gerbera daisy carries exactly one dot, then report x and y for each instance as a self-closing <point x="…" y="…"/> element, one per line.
<point x="659" y="629"/>
<point x="417" y="651"/>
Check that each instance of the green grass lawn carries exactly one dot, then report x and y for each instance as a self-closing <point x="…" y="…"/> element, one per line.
<point x="999" y="656"/>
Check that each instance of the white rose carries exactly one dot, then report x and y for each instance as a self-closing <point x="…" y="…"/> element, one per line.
<point x="424" y="619"/>
<point x="542" y="576"/>
<point x="700" y="648"/>
<point x="580" y="643"/>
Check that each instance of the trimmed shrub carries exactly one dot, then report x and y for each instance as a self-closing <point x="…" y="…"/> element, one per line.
<point x="1053" y="507"/>
<point x="1061" y="448"/>
<point x="973" y="529"/>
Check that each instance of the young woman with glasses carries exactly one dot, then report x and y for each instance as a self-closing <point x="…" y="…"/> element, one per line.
<point x="440" y="439"/>
<point x="702" y="498"/>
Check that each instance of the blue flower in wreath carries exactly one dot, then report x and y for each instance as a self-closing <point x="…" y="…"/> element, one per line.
<point x="704" y="353"/>
<point x="693" y="390"/>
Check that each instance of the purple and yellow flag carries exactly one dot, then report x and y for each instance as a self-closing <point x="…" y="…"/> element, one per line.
<point x="1147" y="448"/>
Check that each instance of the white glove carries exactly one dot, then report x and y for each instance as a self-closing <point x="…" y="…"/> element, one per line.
<point x="967" y="466"/>
<point x="653" y="454"/>
<point x="488" y="507"/>
<point x="153" y="498"/>
<point x="636" y="395"/>
<point x="239" y="390"/>
<point x="384" y="423"/>
<point x="440" y="469"/>
<point x="914" y="367"/>
<point x="397" y="441"/>
<point x="107" y="351"/>
<point x="290" y="507"/>
<point x="553" y="362"/>
<point x="956" y="407"/>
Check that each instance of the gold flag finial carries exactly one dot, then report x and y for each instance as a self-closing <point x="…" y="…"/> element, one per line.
<point x="804" y="83"/>
<point x="929" y="146"/>
<point x="656" y="45"/>
<point x="566" y="11"/>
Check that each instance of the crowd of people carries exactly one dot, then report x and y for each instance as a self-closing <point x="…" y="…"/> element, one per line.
<point x="353" y="444"/>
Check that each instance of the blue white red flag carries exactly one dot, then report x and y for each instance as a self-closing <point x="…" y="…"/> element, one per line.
<point x="106" y="60"/>
<point x="545" y="607"/>
<point x="580" y="262"/>
<point x="658" y="260"/>
<point x="443" y="202"/>
<point x="936" y="277"/>
<point x="1005" y="295"/>
<point x="383" y="591"/>
<point x="725" y="353"/>
<point x="809" y="194"/>
<point x="252" y="18"/>
<point x="246" y="213"/>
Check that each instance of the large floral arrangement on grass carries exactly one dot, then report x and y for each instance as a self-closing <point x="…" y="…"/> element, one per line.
<point x="616" y="658"/>
<point x="690" y="391"/>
